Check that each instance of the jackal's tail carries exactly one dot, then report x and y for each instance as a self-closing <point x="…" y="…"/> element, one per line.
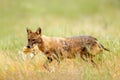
<point x="101" y="46"/>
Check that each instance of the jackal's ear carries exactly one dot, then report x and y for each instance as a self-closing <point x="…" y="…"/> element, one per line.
<point x="28" y="30"/>
<point x="38" y="31"/>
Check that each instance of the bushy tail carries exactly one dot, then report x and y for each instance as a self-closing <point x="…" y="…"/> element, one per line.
<point x="104" y="47"/>
<point x="101" y="46"/>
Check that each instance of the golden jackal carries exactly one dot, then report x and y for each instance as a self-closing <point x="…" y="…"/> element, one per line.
<point x="60" y="48"/>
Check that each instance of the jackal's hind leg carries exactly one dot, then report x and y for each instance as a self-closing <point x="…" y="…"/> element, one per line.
<point x="84" y="54"/>
<point x="92" y="61"/>
<point x="83" y="57"/>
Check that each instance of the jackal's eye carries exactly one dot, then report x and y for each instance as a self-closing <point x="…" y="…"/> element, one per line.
<point x="33" y="40"/>
<point x="28" y="39"/>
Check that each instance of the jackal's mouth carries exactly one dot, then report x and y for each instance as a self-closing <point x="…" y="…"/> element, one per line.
<point x="36" y="44"/>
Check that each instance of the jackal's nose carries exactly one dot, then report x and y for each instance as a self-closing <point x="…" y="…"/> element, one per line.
<point x="28" y="46"/>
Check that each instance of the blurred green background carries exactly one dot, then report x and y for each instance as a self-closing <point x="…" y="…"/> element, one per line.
<point x="56" y="17"/>
<point x="61" y="18"/>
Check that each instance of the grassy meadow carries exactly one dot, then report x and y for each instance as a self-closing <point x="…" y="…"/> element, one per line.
<point x="61" y="18"/>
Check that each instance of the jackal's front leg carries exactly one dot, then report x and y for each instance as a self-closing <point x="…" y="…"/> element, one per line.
<point x="46" y="66"/>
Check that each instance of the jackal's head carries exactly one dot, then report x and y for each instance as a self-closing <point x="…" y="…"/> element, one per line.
<point x="34" y="38"/>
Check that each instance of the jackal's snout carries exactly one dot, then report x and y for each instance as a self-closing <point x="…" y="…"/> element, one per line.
<point x="28" y="46"/>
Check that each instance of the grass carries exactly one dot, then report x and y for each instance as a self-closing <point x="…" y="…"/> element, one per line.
<point x="62" y="18"/>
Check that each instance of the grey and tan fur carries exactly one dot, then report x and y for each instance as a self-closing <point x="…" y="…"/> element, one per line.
<point x="59" y="48"/>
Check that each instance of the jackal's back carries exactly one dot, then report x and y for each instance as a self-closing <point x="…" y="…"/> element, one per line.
<point x="81" y="41"/>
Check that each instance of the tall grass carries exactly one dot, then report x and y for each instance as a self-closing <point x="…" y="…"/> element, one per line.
<point x="61" y="18"/>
